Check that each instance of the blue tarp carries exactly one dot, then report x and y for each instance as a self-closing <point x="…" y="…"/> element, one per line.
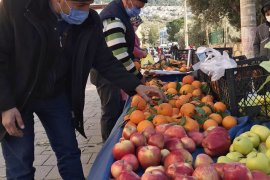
<point x="101" y="167"/>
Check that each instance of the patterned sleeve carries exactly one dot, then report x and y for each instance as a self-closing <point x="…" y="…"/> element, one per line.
<point x="114" y="31"/>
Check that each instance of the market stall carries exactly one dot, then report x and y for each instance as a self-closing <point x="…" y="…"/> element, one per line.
<point x="198" y="119"/>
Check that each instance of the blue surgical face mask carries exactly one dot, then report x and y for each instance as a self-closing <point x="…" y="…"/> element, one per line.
<point x="75" y="16"/>
<point x="132" y="12"/>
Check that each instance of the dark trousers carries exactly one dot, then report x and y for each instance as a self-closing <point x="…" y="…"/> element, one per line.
<point x="111" y="103"/>
<point x="55" y="116"/>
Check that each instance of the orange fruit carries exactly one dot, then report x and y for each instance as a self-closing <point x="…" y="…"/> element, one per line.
<point x="187" y="109"/>
<point x="137" y="116"/>
<point x="186" y="89"/>
<point x="137" y="65"/>
<point x="191" y="125"/>
<point x="172" y="91"/>
<point x="175" y="111"/>
<point x="139" y="102"/>
<point x="159" y="119"/>
<point x="196" y="84"/>
<point x="172" y="85"/>
<point x="183" y="69"/>
<point x="207" y="98"/>
<point x="187" y="79"/>
<point x="143" y="125"/>
<point x="220" y="107"/>
<point x="181" y="100"/>
<point x="172" y="102"/>
<point x="209" y="123"/>
<point x="197" y="93"/>
<point x="165" y="109"/>
<point x="216" y="117"/>
<point x="207" y="110"/>
<point x="229" y="121"/>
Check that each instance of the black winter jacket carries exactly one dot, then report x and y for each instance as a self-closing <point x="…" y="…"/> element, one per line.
<point x="23" y="47"/>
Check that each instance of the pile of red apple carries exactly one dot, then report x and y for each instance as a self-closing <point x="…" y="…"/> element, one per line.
<point x="165" y="153"/>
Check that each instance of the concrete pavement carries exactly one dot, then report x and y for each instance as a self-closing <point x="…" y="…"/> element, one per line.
<point x="45" y="160"/>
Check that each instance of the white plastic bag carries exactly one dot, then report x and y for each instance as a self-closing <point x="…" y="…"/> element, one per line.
<point x="214" y="64"/>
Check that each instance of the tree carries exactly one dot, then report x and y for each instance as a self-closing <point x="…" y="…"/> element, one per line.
<point x="153" y="35"/>
<point x="213" y="11"/>
<point x="173" y="28"/>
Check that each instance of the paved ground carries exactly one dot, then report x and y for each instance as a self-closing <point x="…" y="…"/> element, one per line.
<point x="45" y="161"/>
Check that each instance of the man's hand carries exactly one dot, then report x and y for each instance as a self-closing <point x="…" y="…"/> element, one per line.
<point x="147" y="92"/>
<point x="11" y="120"/>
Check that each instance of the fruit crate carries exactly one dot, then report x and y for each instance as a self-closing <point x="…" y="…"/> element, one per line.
<point x="238" y="89"/>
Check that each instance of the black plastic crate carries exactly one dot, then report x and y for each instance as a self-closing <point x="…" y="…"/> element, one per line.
<point x="238" y="89"/>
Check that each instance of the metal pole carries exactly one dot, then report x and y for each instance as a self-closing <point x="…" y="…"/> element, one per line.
<point x="248" y="26"/>
<point x="186" y="25"/>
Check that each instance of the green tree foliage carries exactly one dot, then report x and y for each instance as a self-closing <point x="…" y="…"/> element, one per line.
<point x="153" y="35"/>
<point x="213" y="11"/>
<point x="173" y="28"/>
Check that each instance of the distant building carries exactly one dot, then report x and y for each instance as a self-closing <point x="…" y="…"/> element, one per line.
<point x="163" y="36"/>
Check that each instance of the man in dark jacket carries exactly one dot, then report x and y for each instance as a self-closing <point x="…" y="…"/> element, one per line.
<point x="47" y="49"/>
<point x="120" y="38"/>
<point x="262" y="33"/>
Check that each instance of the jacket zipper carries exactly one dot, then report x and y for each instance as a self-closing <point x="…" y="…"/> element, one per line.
<point x="31" y="19"/>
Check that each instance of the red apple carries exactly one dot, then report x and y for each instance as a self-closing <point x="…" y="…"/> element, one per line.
<point x="173" y="144"/>
<point x="138" y="139"/>
<point x="151" y="168"/>
<point x="119" y="166"/>
<point x="149" y="156"/>
<point x="219" y="168"/>
<point x="148" y="132"/>
<point x="235" y="171"/>
<point x="206" y="172"/>
<point x="215" y="129"/>
<point x="156" y="140"/>
<point x="179" y="168"/>
<point x="164" y="154"/>
<point x="260" y="175"/>
<point x="123" y="148"/>
<point x="162" y="128"/>
<point x="176" y="131"/>
<point x="196" y="136"/>
<point x="180" y="155"/>
<point x="217" y="142"/>
<point x="188" y="144"/>
<point x="203" y="159"/>
<point x="128" y="131"/>
<point x="184" y="177"/>
<point x="132" y="160"/>
<point x="154" y="175"/>
<point x="128" y="175"/>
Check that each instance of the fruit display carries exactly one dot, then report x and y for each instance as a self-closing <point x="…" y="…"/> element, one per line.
<point x="170" y="65"/>
<point x="159" y="140"/>
<point x="252" y="149"/>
